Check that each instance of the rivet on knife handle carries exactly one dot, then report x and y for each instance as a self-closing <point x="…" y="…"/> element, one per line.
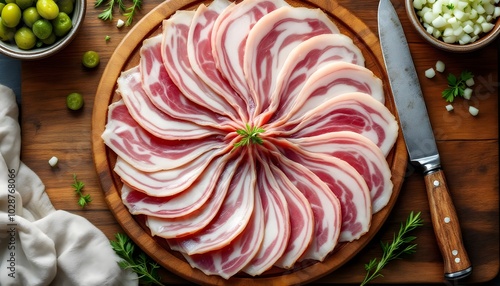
<point x="447" y="227"/>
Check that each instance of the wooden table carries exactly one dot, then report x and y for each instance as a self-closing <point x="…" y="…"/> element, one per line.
<point x="468" y="145"/>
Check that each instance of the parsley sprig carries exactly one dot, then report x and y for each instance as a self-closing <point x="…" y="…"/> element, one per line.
<point x="401" y="244"/>
<point x="83" y="200"/>
<point x="135" y="260"/>
<point x="456" y="86"/>
<point x="250" y="135"/>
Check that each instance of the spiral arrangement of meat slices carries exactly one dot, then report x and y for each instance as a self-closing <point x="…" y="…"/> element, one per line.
<point x="312" y="174"/>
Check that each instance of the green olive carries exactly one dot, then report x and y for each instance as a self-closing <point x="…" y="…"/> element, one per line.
<point x="1" y="7"/>
<point x="23" y="4"/>
<point x="30" y="16"/>
<point x="62" y="24"/>
<point x="50" y="39"/>
<point x="48" y="9"/>
<point x="74" y="101"/>
<point x="25" y="39"/>
<point x="42" y="29"/>
<point x="6" y="33"/>
<point x="66" y="6"/>
<point x="90" y="59"/>
<point x="11" y="15"/>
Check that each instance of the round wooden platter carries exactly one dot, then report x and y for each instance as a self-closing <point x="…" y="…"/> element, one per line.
<point x="126" y="56"/>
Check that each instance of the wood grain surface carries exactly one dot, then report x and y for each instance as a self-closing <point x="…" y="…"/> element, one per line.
<point x="468" y="146"/>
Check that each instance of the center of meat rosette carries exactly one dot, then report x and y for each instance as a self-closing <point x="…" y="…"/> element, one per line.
<point x="249" y="135"/>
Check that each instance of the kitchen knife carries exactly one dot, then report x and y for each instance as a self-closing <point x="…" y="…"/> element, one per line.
<point x="420" y="141"/>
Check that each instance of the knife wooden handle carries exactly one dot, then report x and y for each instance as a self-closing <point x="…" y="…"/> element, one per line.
<point x="447" y="227"/>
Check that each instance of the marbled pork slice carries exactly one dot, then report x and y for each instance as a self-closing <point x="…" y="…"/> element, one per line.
<point x="147" y="152"/>
<point x="184" y="203"/>
<point x="360" y="153"/>
<point x="169" y="182"/>
<point x="271" y="40"/>
<point x="229" y="260"/>
<point x="301" y="220"/>
<point x="332" y="80"/>
<point x="356" y="112"/>
<point x="324" y="204"/>
<point x="189" y="224"/>
<point x="276" y="220"/>
<point x="151" y="118"/>
<point x="304" y="60"/>
<point x="199" y="48"/>
<point x="344" y="181"/>
<point x="176" y="61"/>
<point x="167" y="97"/>
<point x="232" y="217"/>
<point x="229" y="36"/>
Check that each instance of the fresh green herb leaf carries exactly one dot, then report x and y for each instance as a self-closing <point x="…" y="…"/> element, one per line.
<point x="131" y="11"/>
<point x="450" y="6"/>
<point x="98" y="3"/>
<point x="107" y="38"/>
<point x="250" y="135"/>
<point x="456" y="86"/>
<point x="135" y="260"/>
<point x="401" y="244"/>
<point x="107" y="13"/>
<point x="83" y="200"/>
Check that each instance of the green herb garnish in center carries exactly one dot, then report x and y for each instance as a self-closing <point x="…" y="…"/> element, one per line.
<point x="250" y="135"/>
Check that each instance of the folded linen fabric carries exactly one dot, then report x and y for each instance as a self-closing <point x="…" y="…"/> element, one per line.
<point x="40" y="245"/>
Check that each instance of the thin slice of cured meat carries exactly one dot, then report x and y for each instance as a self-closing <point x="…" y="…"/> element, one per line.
<point x="303" y="61"/>
<point x="151" y="118"/>
<point x="176" y="60"/>
<point x="199" y="48"/>
<point x="270" y="42"/>
<point x="360" y="153"/>
<point x="165" y="182"/>
<point x="356" y="112"/>
<point x="276" y="221"/>
<point x="167" y="97"/>
<point x="333" y="80"/>
<point x="324" y="204"/>
<point x="232" y="217"/>
<point x="231" y="259"/>
<point x="147" y="152"/>
<point x="301" y="220"/>
<point x="191" y="223"/>
<point x="184" y="203"/>
<point x="229" y="36"/>
<point x="344" y="181"/>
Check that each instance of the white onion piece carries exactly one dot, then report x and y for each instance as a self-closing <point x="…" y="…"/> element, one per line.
<point x="473" y="111"/>
<point x="430" y="73"/>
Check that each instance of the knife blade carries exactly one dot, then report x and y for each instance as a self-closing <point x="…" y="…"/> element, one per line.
<point x="420" y="141"/>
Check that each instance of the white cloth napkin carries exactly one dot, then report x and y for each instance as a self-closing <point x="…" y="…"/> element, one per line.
<point x="40" y="245"/>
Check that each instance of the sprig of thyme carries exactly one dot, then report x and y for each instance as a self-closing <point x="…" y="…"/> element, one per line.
<point x="83" y="200"/>
<point x="401" y="244"/>
<point x="456" y="86"/>
<point x="250" y="135"/>
<point x="129" y="12"/>
<point x="135" y="260"/>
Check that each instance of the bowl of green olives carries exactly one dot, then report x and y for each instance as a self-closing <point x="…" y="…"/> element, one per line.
<point x="35" y="29"/>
